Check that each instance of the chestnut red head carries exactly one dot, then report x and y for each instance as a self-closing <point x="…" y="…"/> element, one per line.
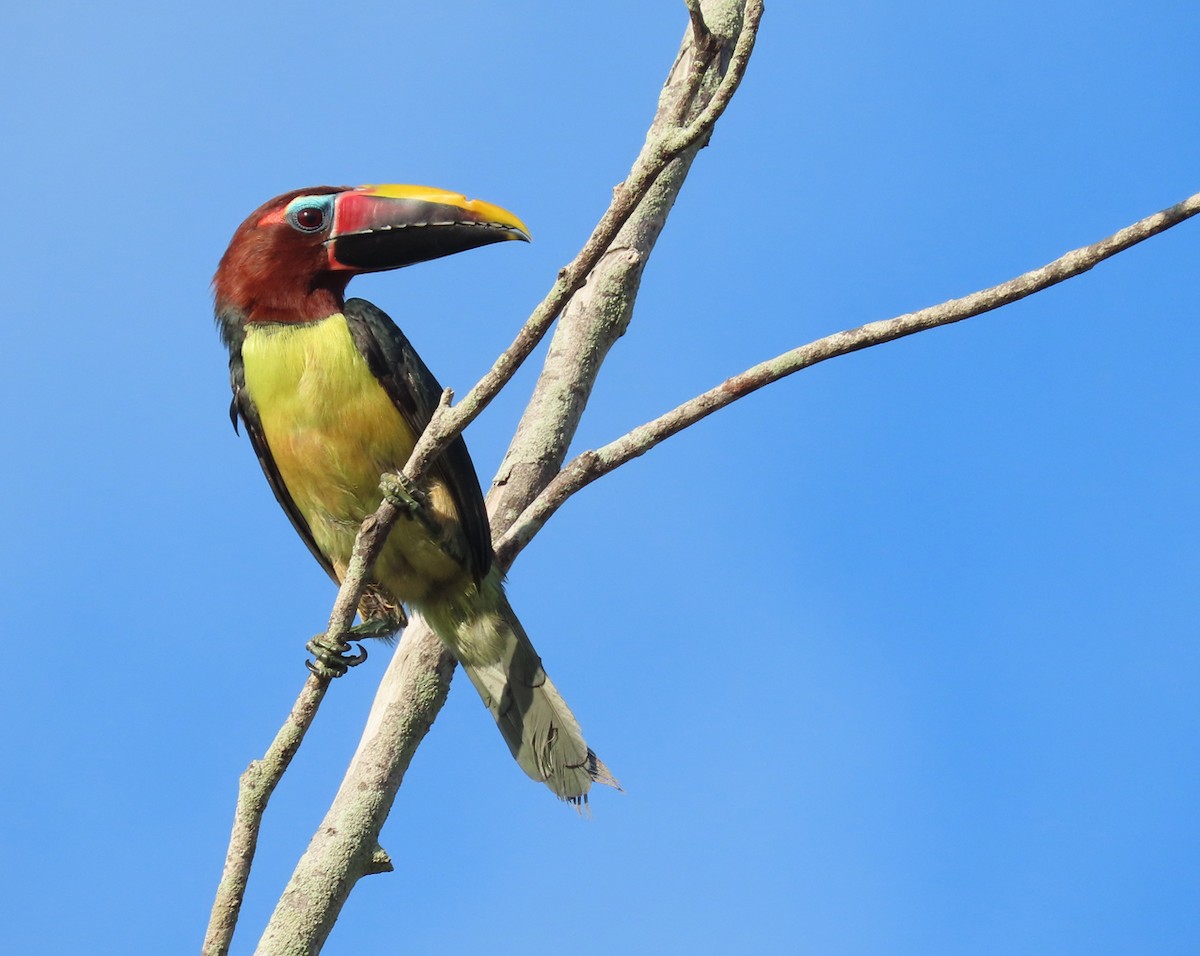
<point x="291" y="259"/>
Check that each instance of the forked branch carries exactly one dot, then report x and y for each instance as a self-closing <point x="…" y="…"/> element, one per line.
<point x="418" y="678"/>
<point x="649" y="165"/>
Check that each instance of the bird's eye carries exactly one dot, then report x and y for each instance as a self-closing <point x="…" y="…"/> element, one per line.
<point x="310" y="218"/>
<point x="308" y="214"/>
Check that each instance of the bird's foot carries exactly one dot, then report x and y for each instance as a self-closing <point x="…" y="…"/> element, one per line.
<point x="334" y="658"/>
<point x="413" y="502"/>
<point x="403" y="492"/>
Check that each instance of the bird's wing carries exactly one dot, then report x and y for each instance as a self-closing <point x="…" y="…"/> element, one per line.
<point x="243" y="408"/>
<point x="415" y="393"/>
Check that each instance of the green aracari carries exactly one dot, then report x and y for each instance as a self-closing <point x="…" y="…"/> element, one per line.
<point x="333" y="396"/>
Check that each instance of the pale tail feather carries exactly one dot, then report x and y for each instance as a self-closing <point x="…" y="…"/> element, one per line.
<point x="540" y="729"/>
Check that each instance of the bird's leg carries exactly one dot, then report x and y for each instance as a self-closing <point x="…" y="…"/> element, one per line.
<point x="376" y="627"/>
<point x="382" y="615"/>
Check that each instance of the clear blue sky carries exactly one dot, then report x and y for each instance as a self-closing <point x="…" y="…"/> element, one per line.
<point x="897" y="657"/>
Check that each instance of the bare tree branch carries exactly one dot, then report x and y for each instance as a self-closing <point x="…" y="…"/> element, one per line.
<point x="649" y="165"/>
<point x="634" y="239"/>
<point x="699" y="28"/>
<point x="590" y="465"/>
<point x="257" y="784"/>
<point x="345" y="847"/>
<point x="593" y="299"/>
<point x="261" y="777"/>
<point x="594" y="294"/>
<point x="599" y="313"/>
<point x="450" y="420"/>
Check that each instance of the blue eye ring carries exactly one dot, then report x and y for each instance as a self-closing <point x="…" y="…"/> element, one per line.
<point x="308" y="214"/>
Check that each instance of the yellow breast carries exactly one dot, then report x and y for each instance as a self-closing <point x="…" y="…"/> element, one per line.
<point x="331" y="427"/>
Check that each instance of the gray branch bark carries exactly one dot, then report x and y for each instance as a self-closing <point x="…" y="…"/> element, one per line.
<point x="597" y="289"/>
<point x="593" y="300"/>
<point x="255" y="787"/>
<point x="590" y="465"/>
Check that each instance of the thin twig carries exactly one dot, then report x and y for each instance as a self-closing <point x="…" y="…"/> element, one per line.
<point x="418" y="678"/>
<point x="703" y="124"/>
<point x="700" y="32"/>
<point x="590" y="465"/>
<point x="599" y="313"/>
<point x="261" y="777"/>
<point x="450" y="422"/>
<point x="346" y="845"/>
<point x="255" y="787"/>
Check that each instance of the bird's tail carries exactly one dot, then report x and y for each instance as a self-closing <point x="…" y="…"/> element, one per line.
<point x="542" y="733"/>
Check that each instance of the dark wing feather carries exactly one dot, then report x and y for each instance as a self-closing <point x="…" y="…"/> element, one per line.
<point x="415" y="392"/>
<point x="244" y="409"/>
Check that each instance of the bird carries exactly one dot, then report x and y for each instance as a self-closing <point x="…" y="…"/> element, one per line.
<point x="333" y="396"/>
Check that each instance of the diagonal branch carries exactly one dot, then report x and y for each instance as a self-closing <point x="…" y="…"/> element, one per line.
<point x="416" y="683"/>
<point x="590" y="465"/>
<point x="649" y="165"/>
<point x="450" y="420"/>
<point x="258" y="782"/>
<point x="600" y="312"/>
<point x="255" y="787"/>
<point x="699" y="27"/>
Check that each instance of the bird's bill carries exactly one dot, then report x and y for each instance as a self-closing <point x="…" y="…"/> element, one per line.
<point x="386" y="227"/>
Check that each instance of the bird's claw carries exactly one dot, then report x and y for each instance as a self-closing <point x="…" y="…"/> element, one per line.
<point x="413" y="502"/>
<point x="333" y="658"/>
<point x="402" y="492"/>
